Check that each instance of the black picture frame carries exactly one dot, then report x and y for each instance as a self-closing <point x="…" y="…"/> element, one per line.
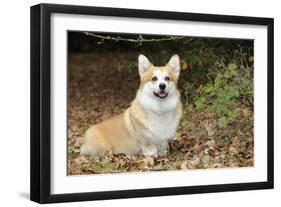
<point x="41" y="99"/>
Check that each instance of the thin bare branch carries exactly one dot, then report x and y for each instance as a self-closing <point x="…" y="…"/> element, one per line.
<point x="139" y="40"/>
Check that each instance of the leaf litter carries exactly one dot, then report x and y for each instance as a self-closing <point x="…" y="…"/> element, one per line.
<point x="97" y="91"/>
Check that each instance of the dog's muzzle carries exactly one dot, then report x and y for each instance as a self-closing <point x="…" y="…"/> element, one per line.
<point x="161" y="94"/>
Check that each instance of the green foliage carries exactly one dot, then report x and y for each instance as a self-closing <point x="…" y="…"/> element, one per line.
<point x="125" y="65"/>
<point x="229" y="86"/>
<point x="200" y="102"/>
<point x="222" y="122"/>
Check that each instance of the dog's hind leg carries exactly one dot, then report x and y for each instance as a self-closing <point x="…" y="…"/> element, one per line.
<point x="94" y="144"/>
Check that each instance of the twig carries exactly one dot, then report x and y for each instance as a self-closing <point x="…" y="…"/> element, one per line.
<point x="139" y="40"/>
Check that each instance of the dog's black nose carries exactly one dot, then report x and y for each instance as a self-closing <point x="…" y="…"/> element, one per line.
<point x="162" y="86"/>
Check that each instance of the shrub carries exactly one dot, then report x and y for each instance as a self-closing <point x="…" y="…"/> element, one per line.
<point x="228" y="87"/>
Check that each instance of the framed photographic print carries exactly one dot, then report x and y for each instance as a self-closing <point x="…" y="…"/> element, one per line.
<point x="133" y="103"/>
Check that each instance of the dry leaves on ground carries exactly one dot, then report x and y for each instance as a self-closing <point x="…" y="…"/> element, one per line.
<point x="98" y="91"/>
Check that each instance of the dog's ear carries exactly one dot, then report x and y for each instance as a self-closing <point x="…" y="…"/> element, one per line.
<point x="174" y="63"/>
<point x="143" y="64"/>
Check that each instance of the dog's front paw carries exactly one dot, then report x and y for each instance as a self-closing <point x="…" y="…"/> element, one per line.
<point x="149" y="150"/>
<point x="163" y="148"/>
<point x="163" y="153"/>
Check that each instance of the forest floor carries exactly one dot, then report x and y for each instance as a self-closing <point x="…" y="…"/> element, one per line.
<point x="97" y="90"/>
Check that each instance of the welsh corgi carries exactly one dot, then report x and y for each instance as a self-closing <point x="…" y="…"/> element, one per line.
<point x="150" y="121"/>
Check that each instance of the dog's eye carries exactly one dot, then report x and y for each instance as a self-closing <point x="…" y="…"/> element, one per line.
<point x="167" y="78"/>
<point x="154" y="78"/>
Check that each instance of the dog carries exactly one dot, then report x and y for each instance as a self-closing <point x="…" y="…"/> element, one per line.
<point x="150" y="121"/>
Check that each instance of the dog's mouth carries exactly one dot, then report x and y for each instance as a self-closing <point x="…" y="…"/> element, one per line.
<point x="161" y="94"/>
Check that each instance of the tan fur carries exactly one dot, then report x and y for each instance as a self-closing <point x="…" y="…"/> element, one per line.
<point x="148" y="75"/>
<point x="112" y="134"/>
<point x="125" y="133"/>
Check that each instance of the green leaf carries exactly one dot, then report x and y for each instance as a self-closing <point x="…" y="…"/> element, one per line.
<point x="236" y="93"/>
<point x="218" y="80"/>
<point x="222" y="122"/>
<point x="221" y="93"/>
<point x="237" y="111"/>
<point x="230" y="73"/>
<point x="208" y="89"/>
<point x="130" y="68"/>
<point x="222" y="108"/>
<point x="232" y="66"/>
<point x="232" y="91"/>
<point x="119" y="66"/>
<point x="200" y="102"/>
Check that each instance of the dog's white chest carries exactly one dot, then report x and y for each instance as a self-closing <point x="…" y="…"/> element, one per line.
<point x="161" y="127"/>
<point x="162" y="120"/>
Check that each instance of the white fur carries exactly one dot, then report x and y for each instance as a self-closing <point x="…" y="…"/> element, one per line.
<point x="155" y="105"/>
<point x="174" y="62"/>
<point x="170" y="85"/>
<point x="150" y="150"/>
<point x="143" y="64"/>
<point x="162" y="123"/>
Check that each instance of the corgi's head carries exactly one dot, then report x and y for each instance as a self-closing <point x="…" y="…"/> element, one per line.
<point x="159" y="82"/>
